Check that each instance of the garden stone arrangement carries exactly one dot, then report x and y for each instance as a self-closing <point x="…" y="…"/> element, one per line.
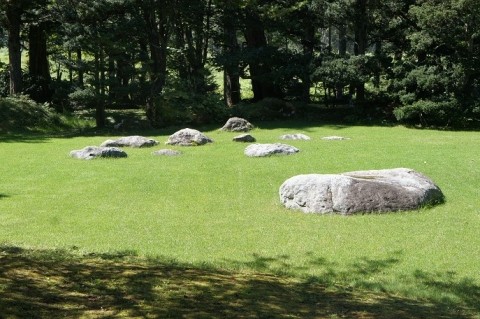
<point x="188" y="137"/>
<point x="262" y="150"/>
<point x="237" y="124"/>
<point x="387" y="190"/>
<point x="91" y="152"/>
<point x="131" y="141"/>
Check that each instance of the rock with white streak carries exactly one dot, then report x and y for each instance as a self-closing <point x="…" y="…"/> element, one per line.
<point x="131" y="141"/>
<point x="387" y="190"/>
<point x="262" y="150"/>
<point x="91" y="152"/>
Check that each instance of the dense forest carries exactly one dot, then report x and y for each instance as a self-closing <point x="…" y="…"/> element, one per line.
<point x="197" y="61"/>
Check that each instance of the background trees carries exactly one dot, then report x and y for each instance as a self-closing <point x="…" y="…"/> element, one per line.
<point x="419" y="59"/>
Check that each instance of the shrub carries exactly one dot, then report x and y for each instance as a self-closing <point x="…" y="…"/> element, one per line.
<point x="20" y="112"/>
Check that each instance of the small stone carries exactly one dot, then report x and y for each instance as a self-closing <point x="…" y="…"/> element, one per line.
<point x="335" y="138"/>
<point x="247" y="138"/>
<point x="188" y="137"/>
<point x="132" y="141"/>
<point x="237" y="124"/>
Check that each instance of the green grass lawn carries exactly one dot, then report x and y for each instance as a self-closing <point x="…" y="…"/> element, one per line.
<point x="212" y="219"/>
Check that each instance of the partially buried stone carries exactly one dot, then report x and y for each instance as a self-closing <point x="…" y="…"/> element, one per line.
<point x="335" y="138"/>
<point x="167" y="152"/>
<point x="247" y="138"/>
<point x="91" y="152"/>
<point x="132" y="141"/>
<point x="297" y="136"/>
<point x="262" y="150"/>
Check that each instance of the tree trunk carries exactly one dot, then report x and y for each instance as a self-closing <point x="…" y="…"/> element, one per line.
<point x="259" y="70"/>
<point x="231" y="70"/>
<point x="360" y="46"/>
<point x="14" y="20"/>
<point x="308" y="43"/>
<point x="38" y="65"/>
<point x="342" y="52"/>
<point x="80" y="68"/>
<point x="99" y="104"/>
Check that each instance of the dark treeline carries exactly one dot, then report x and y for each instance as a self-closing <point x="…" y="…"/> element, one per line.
<point x="414" y="60"/>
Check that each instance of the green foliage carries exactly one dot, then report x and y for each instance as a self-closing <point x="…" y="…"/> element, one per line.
<point x="84" y="98"/>
<point x="179" y="105"/>
<point x="20" y="112"/>
<point x="265" y="110"/>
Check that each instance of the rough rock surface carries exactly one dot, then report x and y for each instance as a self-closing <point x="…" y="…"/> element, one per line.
<point x="297" y="136"/>
<point x="237" y="124"/>
<point x="132" y="141"/>
<point x="247" y="138"/>
<point x="261" y="150"/>
<point x="91" y="152"/>
<point x="188" y="137"/>
<point x="167" y="152"/>
<point x="335" y="138"/>
<point x="360" y="192"/>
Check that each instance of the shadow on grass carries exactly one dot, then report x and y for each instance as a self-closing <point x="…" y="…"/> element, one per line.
<point x="57" y="284"/>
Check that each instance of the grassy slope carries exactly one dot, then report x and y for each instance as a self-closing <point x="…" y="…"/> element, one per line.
<point x="214" y="206"/>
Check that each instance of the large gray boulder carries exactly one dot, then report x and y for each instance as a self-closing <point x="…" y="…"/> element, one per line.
<point x="188" y="137"/>
<point x="132" y="141"/>
<point x="237" y="124"/>
<point x="360" y="192"/>
<point x="91" y="152"/>
<point x="261" y="150"/>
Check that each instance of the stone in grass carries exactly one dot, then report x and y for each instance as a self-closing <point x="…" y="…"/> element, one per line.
<point x="237" y="124"/>
<point x="387" y="190"/>
<point x="261" y="150"/>
<point x="188" y="137"/>
<point x="91" y="152"/>
<point x="335" y="138"/>
<point x="247" y="138"/>
<point x="167" y="152"/>
<point x="132" y="141"/>
<point x="297" y="136"/>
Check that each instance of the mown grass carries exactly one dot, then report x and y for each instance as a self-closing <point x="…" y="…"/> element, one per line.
<point x="215" y="213"/>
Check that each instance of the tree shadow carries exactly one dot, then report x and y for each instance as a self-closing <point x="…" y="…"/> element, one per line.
<point x="59" y="283"/>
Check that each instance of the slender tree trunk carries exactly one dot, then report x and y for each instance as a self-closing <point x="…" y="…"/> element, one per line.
<point x="342" y="52"/>
<point x="80" y="68"/>
<point x="99" y="104"/>
<point x="14" y="19"/>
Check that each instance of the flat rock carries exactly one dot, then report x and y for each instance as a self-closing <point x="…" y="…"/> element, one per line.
<point x="246" y="138"/>
<point x="335" y="138"/>
<point x="385" y="190"/>
<point x="132" y="141"/>
<point x="188" y="137"/>
<point x="167" y="152"/>
<point x="237" y="124"/>
<point x="261" y="150"/>
<point x="91" y="152"/>
<point x="297" y="136"/>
